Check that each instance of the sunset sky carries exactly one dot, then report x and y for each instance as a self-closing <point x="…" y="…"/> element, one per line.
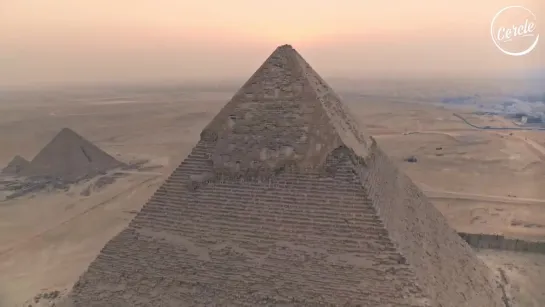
<point x="79" y="41"/>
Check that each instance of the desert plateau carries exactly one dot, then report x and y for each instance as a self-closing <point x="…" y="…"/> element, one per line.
<point x="482" y="181"/>
<point x="293" y="154"/>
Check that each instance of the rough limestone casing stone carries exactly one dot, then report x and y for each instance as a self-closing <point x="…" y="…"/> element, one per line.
<point x="281" y="117"/>
<point x="330" y="222"/>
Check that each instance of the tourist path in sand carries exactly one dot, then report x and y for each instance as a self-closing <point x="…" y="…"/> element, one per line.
<point x="534" y="147"/>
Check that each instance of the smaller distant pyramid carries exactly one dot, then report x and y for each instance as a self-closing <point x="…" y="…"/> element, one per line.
<point x="16" y="165"/>
<point x="70" y="157"/>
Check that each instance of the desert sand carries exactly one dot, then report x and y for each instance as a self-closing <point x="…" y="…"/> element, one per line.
<point x="482" y="181"/>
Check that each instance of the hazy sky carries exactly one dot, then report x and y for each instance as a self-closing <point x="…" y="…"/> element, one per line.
<point x="60" y="41"/>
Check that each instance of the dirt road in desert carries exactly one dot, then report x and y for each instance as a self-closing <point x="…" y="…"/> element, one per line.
<point x="434" y="194"/>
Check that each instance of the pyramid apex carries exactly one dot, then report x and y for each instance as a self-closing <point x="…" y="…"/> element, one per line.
<point x="66" y="130"/>
<point x="68" y="135"/>
<point x="284" y="115"/>
<point x="19" y="158"/>
<point x="285" y="46"/>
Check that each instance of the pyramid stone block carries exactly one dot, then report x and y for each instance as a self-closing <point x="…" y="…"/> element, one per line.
<point x="284" y="202"/>
<point x="70" y="157"/>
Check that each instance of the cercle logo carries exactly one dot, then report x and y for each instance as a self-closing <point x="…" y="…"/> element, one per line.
<point x="514" y="30"/>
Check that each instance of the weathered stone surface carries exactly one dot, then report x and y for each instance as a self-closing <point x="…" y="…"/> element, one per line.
<point x="197" y="180"/>
<point x="313" y="214"/>
<point x="284" y="116"/>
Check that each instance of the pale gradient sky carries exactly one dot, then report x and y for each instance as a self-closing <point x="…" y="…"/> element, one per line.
<point x="66" y="41"/>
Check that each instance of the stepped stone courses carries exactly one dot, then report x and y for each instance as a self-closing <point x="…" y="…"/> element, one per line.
<point x="283" y="202"/>
<point x="69" y="157"/>
<point x="16" y="165"/>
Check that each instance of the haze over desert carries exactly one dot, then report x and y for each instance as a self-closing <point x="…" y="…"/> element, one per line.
<point x="362" y="155"/>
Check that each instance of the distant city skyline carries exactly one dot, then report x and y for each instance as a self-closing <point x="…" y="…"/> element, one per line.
<point x="65" y="41"/>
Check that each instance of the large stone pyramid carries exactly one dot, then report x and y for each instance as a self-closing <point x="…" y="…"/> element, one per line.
<point x="69" y="157"/>
<point x="283" y="202"/>
<point x="15" y="166"/>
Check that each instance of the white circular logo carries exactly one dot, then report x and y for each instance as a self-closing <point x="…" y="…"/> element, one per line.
<point x="514" y="30"/>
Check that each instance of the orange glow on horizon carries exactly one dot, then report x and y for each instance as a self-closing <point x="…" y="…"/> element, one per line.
<point x="126" y="39"/>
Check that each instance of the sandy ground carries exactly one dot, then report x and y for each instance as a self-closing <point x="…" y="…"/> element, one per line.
<point x="482" y="181"/>
<point x="521" y="273"/>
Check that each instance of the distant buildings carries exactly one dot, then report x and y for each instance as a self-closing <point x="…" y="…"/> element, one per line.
<point x="527" y="108"/>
